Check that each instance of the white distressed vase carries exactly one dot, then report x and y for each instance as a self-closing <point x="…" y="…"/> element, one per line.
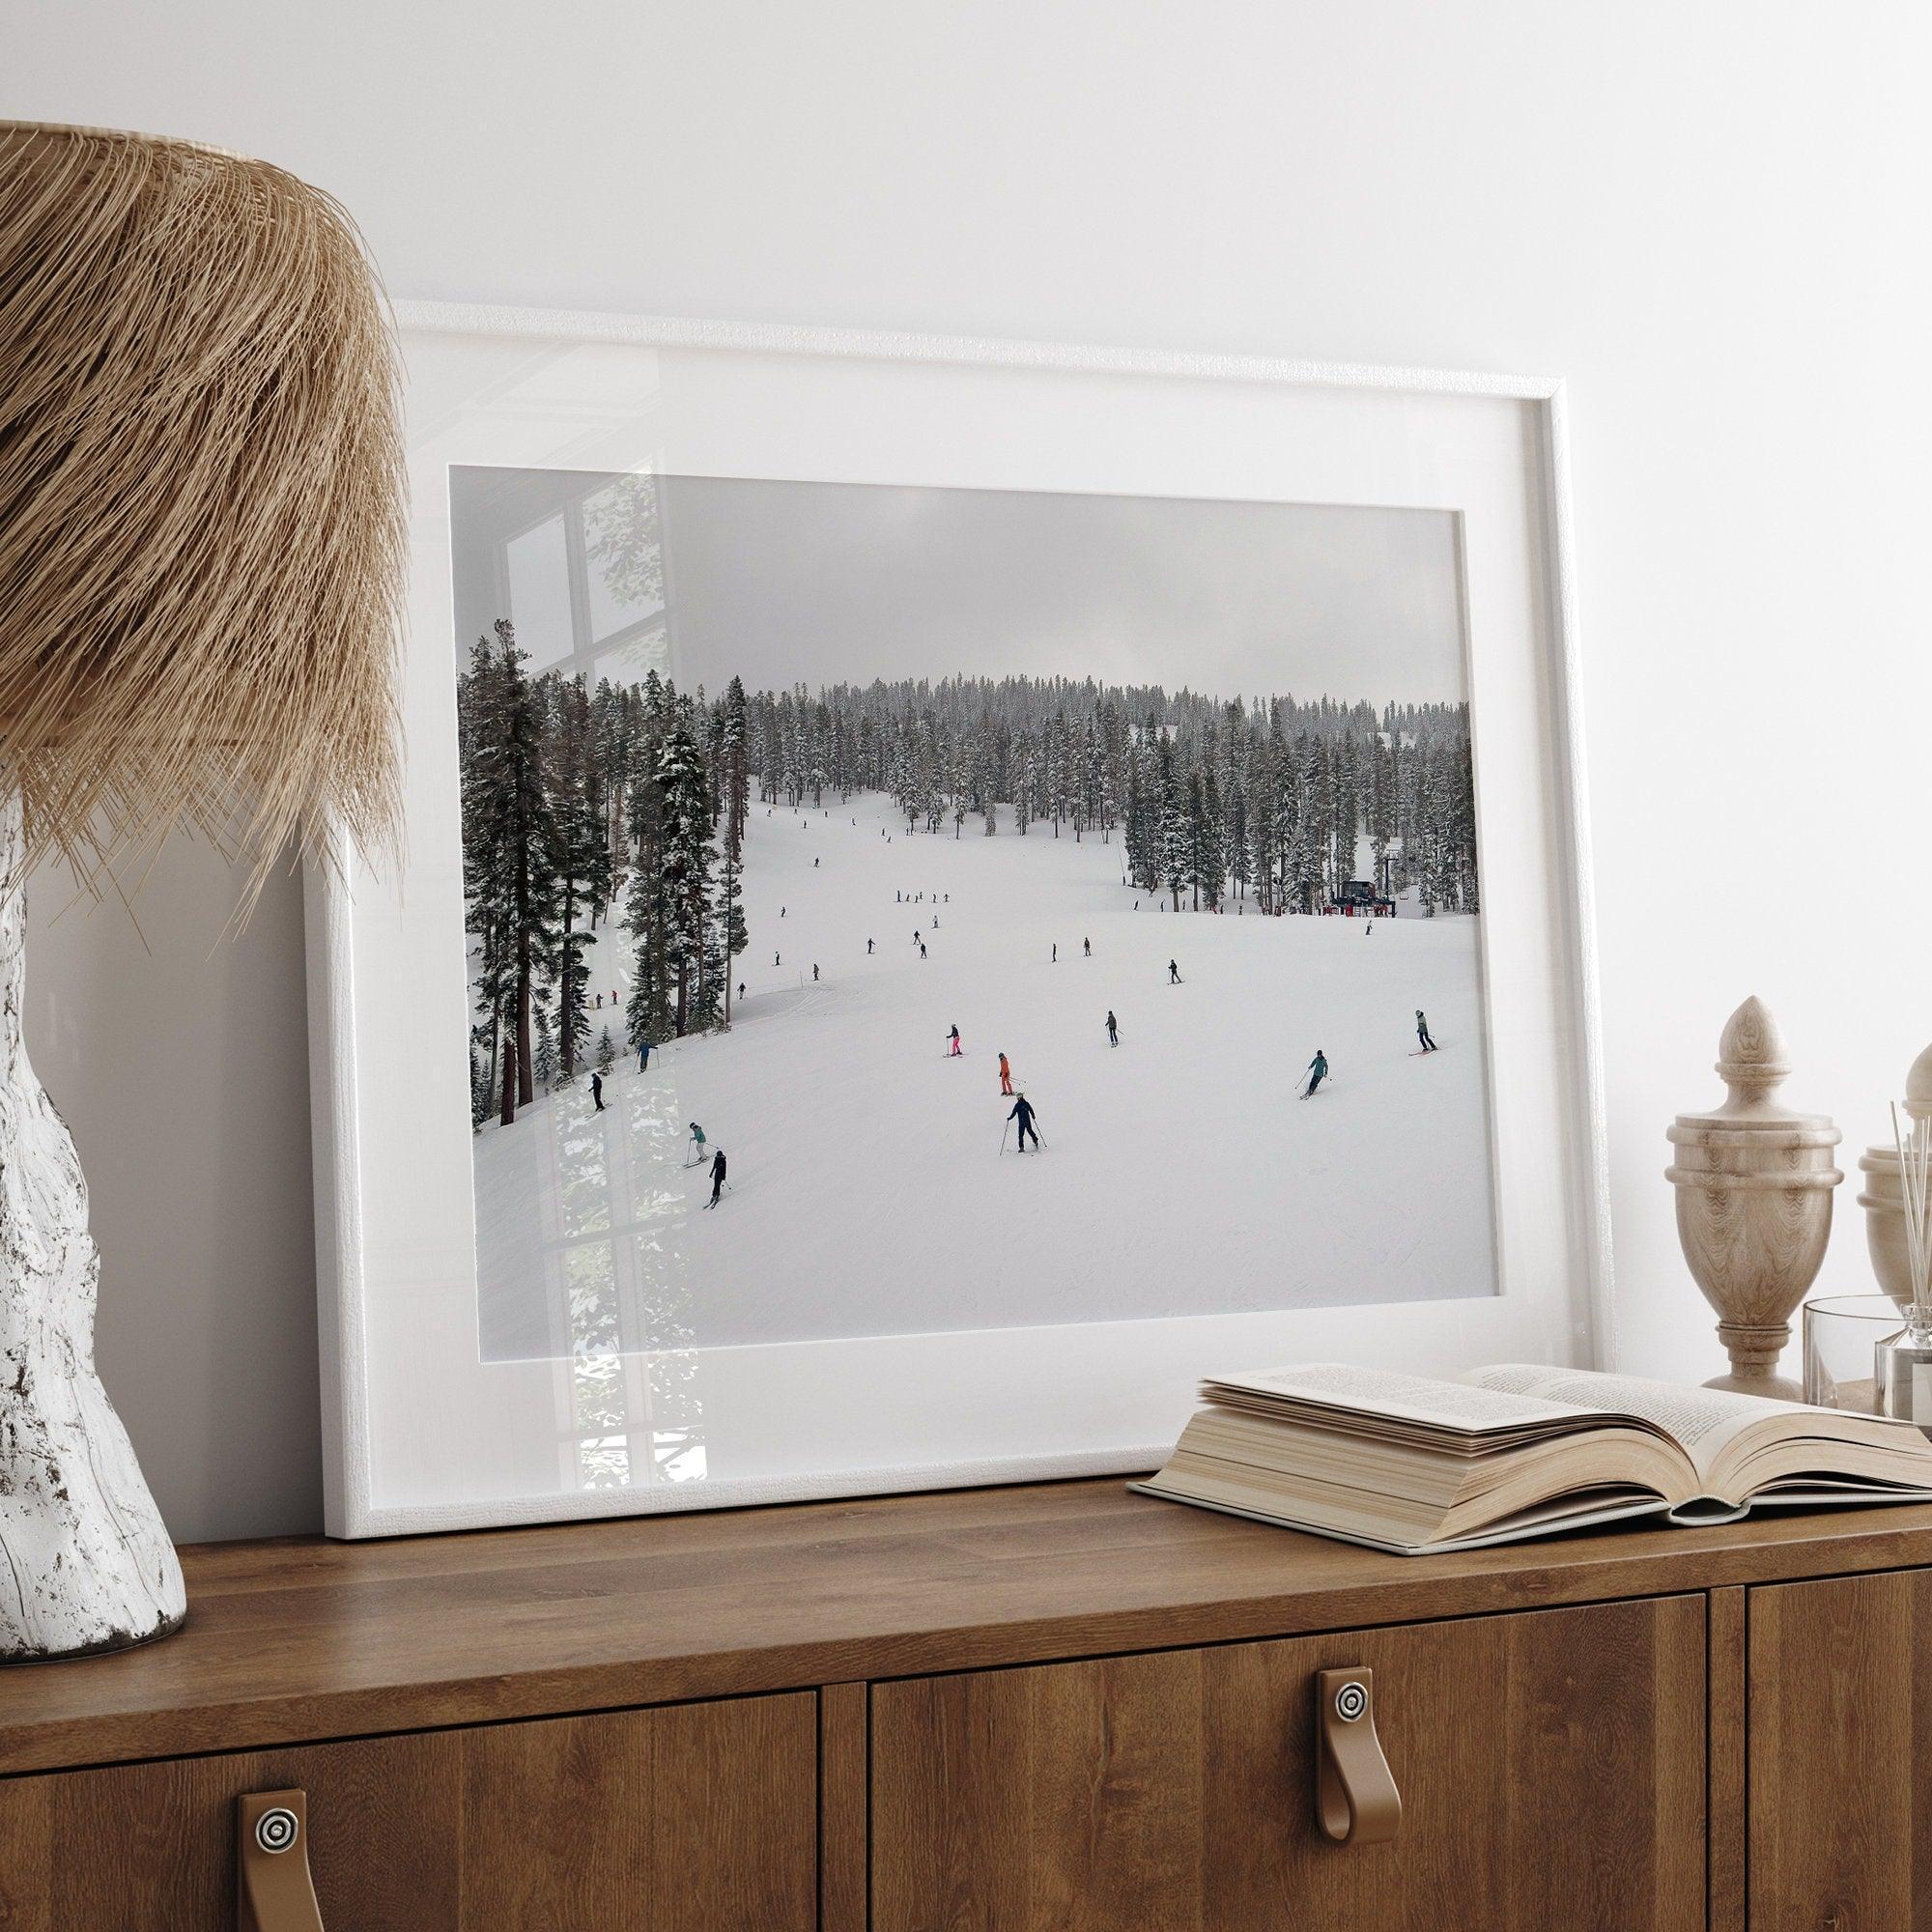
<point x="85" y="1562"/>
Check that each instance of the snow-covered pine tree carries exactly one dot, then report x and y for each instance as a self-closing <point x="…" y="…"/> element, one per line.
<point x="647" y="1014"/>
<point x="1197" y="836"/>
<point x="578" y="863"/>
<point x="684" y="865"/>
<point x="606" y="1051"/>
<point x="737" y="770"/>
<point x="505" y="790"/>
<point x="1173" y="831"/>
<point x="546" y="1050"/>
<point x="729" y="912"/>
<point x="1134" y="822"/>
<point x="1211" y="860"/>
<point x="478" y="706"/>
<point x="480" y="1084"/>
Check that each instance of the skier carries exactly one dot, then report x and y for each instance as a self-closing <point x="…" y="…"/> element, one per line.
<point x="869" y="948"/>
<point x="1023" y="1113"/>
<point x="1422" y="1033"/>
<point x="814" y="972"/>
<point x="717" y="1177"/>
<point x="643" y="1055"/>
<point x="597" y="1090"/>
<point x="898" y="898"/>
<point x="782" y="912"/>
<point x="1086" y="949"/>
<point x="1056" y="953"/>
<point x="600" y="1002"/>
<point x="1006" y="1076"/>
<point x="922" y="948"/>
<point x="815" y="865"/>
<point x="1318" y="1071"/>
<point x="1173" y="974"/>
<point x="741" y="989"/>
<point x="935" y="922"/>
<point x="1113" y="1028"/>
<point x="775" y="958"/>
<point x="696" y="1152"/>
<point x="953" y="1045"/>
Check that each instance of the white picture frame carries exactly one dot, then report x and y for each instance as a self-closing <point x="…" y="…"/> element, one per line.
<point x="419" y="1433"/>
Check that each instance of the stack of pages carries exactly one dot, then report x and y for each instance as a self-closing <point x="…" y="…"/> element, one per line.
<point x="1406" y="1464"/>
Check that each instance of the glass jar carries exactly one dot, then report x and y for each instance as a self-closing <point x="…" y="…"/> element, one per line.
<point x="1842" y="1335"/>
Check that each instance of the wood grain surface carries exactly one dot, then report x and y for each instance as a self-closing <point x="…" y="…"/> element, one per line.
<point x="1550" y="1766"/>
<point x="699" y="1818"/>
<point x="1727" y="1757"/>
<point x="1840" y="1736"/>
<point x="844" y="1804"/>
<point x="301" y="1640"/>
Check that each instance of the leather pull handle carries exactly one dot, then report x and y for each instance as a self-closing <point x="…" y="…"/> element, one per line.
<point x="1355" y="1799"/>
<point x="273" y="1890"/>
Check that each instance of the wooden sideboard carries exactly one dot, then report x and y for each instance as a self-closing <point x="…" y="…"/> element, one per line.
<point x="998" y="1711"/>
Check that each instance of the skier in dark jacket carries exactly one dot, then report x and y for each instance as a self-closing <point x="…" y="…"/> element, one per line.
<point x="1023" y="1114"/>
<point x="717" y="1177"/>
<point x="1173" y="974"/>
<point x="1422" y="1033"/>
<point x="1113" y="1028"/>
<point x="1318" y="1071"/>
<point x="597" y="1090"/>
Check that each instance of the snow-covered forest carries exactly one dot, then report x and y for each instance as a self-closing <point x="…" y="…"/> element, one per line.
<point x="634" y="799"/>
<point x="616" y="819"/>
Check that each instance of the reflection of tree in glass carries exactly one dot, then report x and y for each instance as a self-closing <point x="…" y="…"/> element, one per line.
<point x="621" y="530"/>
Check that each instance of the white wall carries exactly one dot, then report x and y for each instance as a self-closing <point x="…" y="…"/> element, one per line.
<point x="1708" y="216"/>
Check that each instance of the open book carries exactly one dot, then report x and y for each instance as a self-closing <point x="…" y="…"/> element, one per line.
<point x="1414" y="1465"/>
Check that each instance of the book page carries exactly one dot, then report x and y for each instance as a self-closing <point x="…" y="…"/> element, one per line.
<point x="1703" y="1421"/>
<point x="1460" y="1405"/>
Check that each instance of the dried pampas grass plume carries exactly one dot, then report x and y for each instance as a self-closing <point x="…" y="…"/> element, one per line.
<point x="202" y="509"/>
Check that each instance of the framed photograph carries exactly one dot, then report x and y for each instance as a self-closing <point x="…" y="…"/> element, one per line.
<point x="952" y="888"/>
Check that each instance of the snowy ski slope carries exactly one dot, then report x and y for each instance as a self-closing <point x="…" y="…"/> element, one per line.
<point x="869" y="1191"/>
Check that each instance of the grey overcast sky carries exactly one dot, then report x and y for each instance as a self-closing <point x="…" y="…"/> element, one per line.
<point x="824" y="581"/>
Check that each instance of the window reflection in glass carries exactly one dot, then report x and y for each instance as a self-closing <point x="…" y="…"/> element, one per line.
<point x="623" y="554"/>
<point x="538" y="562"/>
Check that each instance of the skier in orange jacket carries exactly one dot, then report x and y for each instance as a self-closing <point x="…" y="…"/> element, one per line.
<point x="1006" y="1075"/>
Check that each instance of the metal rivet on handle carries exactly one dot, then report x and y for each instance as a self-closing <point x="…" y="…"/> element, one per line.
<point x="1352" y="1701"/>
<point x="276" y="1830"/>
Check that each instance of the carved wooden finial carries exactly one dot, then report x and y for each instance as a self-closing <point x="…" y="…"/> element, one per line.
<point x="1754" y="1184"/>
<point x="1752" y="1059"/>
<point x="1918" y="1088"/>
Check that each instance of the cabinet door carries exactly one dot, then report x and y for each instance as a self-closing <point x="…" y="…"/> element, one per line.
<point x="693" y="1818"/>
<point x="1839" y="1737"/>
<point x="1550" y="1766"/>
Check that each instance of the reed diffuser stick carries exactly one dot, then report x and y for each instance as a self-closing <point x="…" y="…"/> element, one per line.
<point x="1915" y="1180"/>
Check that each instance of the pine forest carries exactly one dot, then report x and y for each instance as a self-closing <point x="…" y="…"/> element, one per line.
<point x="615" y="817"/>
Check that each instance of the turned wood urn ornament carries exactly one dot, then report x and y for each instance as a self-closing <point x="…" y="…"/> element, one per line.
<point x="1884" y="1198"/>
<point x="1753" y="1183"/>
